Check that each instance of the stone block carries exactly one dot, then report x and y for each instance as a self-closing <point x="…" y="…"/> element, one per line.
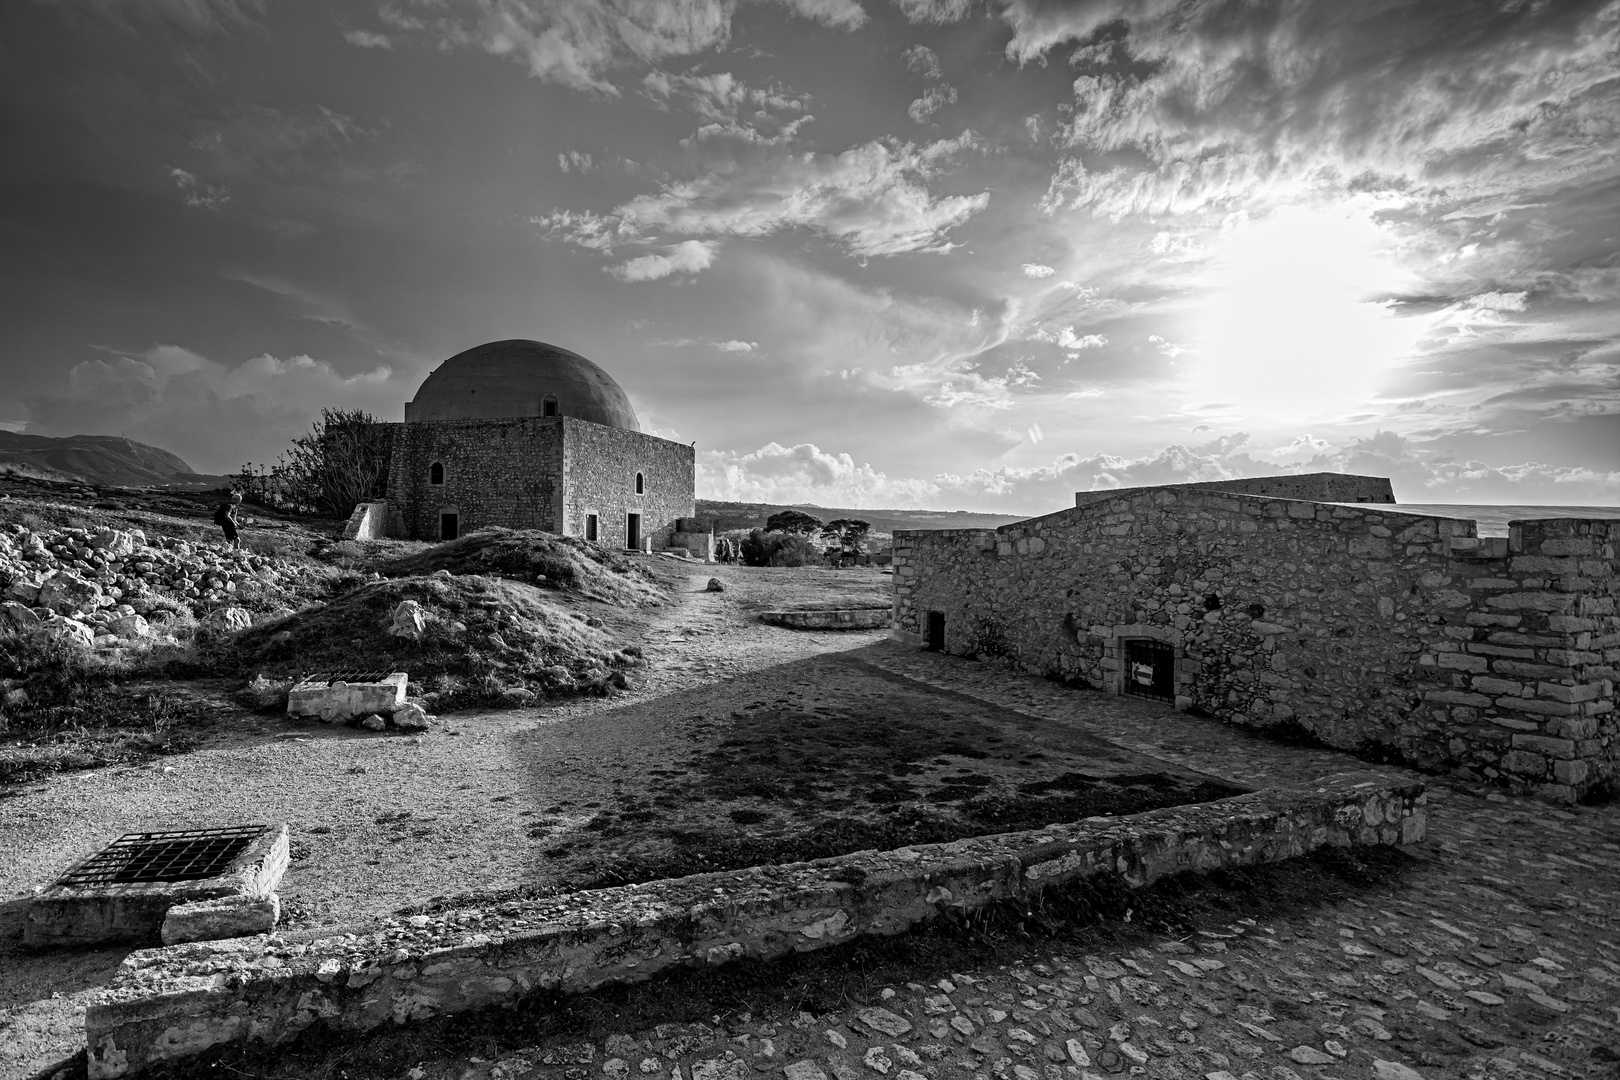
<point x="1539" y="706"/>
<point x="338" y="701"/>
<point x="1553" y="603"/>
<point x="134" y="911"/>
<point x="1573" y="773"/>
<point x="223" y="917"/>
<point x="1524" y="763"/>
<point x="1485" y="684"/>
<point x="1560" y="692"/>
<point x="1548" y="747"/>
<point x="1463" y="662"/>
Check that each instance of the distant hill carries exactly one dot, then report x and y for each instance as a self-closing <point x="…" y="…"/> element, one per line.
<point x="104" y="460"/>
<point x="739" y="515"/>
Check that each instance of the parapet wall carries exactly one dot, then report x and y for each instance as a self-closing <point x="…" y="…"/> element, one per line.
<point x="1377" y="631"/>
<point x="169" y="1004"/>
<point x="1320" y="487"/>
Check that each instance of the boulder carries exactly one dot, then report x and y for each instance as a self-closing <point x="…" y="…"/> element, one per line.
<point x="409" y="621"/>
<point x="230" y="619"/>
<point x="23" y="591"/>
<point x="66" y="631"/>
<point x="16" y="698"/>
<point x="411" y="717"/>
<point x="65" y="592"/>
<point x="374" y="723"/>
<point x="129" y="626"/>
<point x="716" y="585"/>
<point x="113" y="543"/>
<point x="15" y="616"/>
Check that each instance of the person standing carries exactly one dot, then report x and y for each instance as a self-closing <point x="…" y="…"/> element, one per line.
<point x="225" y="518"/>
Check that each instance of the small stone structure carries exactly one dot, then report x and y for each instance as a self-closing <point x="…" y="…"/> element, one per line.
<point x="1319" y="487"/>
<point x="338" y="696"/>
<point x="120" y="893"/>
<point x="1374" y="630"/>
<point x="840" y="619"/>
<point x="526" y="435"/>
<point x="173" y="1003"/>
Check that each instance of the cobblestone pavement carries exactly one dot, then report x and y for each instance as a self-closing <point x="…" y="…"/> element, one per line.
<point x="1496" y="956"/>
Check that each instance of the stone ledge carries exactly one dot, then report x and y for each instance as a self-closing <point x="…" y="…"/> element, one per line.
<point x="172" y="1003"/>
<point x="843" y="619"/>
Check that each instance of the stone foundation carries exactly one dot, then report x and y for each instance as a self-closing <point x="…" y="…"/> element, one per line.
<point x="843" y="619"/>
<point x="172" y="1003"/>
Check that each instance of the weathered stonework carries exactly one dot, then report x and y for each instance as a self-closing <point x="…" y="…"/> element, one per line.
<point x="840" y="619"/>
<point x="1377" y="631"/>
<point x="172" y="1003"/>
<point x="1319" y="487"/>
<point x="539" y="472"/>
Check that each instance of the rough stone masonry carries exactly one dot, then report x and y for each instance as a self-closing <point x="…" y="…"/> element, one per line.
<point x="1381" y="632"/>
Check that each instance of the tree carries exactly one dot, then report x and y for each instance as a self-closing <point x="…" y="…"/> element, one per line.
<point x="847" y="533"/>
<point x="792" y="521"/>
<point x="342" y="462"/>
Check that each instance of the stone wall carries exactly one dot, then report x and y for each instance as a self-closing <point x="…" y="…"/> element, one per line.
<point x="1384" y="633"/>
<point x="496" y="472"/>
<point x="600" y="465"/>
<point x="1321" y="487"/>
<point x="169" y="1004"/>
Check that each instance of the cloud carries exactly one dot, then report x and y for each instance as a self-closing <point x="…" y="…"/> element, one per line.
<point x="575" y="161"/>
<point x="802" y="473"/>
<point x="1038" y="270"/>
<point x="217" y="417"/>
<point x="687" y="257"/>
<point x="934" y="99"/>
<point x="1222" y="105"/>
<point x="921" y="60"/>
<point x="723" y="99"/>
<point x="937" y="12"/>
<point x="582" y="229"/>
<point x="735" y="346"/>
<point x="578" y="43"/>
<point x="366" y="39"/>
<point x="204" y="196"/>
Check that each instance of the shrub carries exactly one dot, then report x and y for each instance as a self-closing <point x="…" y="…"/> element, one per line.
<point x="795" y="550"/>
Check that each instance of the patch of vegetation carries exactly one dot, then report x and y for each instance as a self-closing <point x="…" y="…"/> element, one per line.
<point x="565" y="563"/>
<point x="85" y="711"/>
<point x="488" y="641"/>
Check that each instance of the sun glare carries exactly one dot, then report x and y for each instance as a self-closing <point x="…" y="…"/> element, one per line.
<point x="1292" y="328"/>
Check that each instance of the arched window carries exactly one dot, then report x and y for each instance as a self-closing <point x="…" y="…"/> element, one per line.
<point x="548" y="405"/>
<point x="436" y="473"/>
<point x="641" y="485"/>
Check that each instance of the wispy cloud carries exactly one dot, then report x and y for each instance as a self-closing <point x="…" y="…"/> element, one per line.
<point x="687" y="257"/>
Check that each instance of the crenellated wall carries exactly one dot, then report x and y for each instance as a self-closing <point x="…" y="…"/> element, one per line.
<point x="1377" y="631"/>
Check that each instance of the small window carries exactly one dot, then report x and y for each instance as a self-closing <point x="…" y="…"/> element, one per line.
<point x="436" y="473"/>
<point x="548" y="406"/>
<point x="641" y="485"/>
<point x="590" y="527"/>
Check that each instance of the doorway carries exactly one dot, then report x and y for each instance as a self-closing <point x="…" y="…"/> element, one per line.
<point x="449" y="525"/>
<point x="590" y="527"/>
<point x="936" y="631"/>
<point x="1150" y="670"/>
<point x="632" y="531"/>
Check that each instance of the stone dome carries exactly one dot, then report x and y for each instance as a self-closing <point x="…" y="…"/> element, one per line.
<point x="519" y="378"/>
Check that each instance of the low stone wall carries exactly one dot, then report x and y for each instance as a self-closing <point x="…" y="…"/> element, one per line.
<point x="172" y="1003"/>
<point x="841" y="619"/>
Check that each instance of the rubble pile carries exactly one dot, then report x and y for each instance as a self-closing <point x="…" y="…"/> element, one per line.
<point x="108" y="587"/>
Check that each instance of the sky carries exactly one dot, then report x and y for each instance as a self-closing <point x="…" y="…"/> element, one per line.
<point x="956" y="254"/>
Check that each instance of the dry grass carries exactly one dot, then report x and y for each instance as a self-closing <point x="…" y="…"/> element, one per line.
<point x="555" y="562"/>
<point x="488" y="641"/>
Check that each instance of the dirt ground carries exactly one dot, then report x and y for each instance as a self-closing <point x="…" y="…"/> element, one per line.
<point x="1494" y="952"/>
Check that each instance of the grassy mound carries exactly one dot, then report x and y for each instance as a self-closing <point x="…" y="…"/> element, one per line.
<point x="488" y="641"/>
<point x="546" y="559"/>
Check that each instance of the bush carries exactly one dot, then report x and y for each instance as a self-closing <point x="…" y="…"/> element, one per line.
<point x="795" y="550"/>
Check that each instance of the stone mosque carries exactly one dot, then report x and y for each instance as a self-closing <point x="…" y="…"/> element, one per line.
<point x="526" y="435"/>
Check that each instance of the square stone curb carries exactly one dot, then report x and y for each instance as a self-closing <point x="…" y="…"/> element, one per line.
<point x="134" y="911"/>
<point x="340" y="700"/>
<point x="166" y="1004"/>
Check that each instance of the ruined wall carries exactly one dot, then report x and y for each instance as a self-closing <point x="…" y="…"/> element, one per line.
<point x="600" y="464"/>
<point x="496" y="472"/>
<point x="1321" y="487"/>
<point x="1379" y="632"/>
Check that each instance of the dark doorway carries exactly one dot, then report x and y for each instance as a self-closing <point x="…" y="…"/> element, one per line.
<point x="590" y="527"/>
<point x="449" y="526"/>
<point x="632" y="531"/>
<point x="1150" y="670"/>
<point x="936" y="631"/>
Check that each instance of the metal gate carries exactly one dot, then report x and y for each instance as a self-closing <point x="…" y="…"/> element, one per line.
<point x="1150" y="668"/>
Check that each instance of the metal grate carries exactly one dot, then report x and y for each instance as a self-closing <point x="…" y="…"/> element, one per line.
<point x="183" y="855"/>
<point x="330" y="677"/>
<point x="1150" y="670"/>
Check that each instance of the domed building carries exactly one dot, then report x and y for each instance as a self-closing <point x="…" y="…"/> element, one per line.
<point x="531" y="436"/>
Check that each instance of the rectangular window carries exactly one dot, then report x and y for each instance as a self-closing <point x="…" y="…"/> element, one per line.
<point x="1150" y="670"/>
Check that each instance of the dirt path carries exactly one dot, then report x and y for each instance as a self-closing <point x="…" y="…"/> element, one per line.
<point x="381" y="821"/>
